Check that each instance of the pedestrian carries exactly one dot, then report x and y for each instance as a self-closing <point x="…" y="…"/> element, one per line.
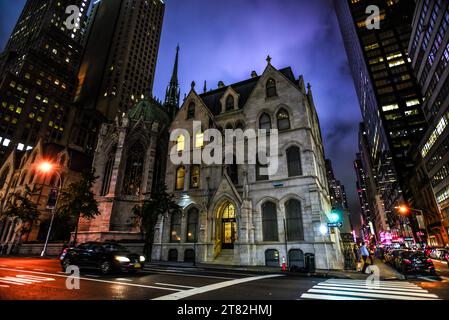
<point x="357" y="256"/>
<point x="365" y="255"/>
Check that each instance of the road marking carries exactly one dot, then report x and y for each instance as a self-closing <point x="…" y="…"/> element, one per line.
<point x="428" y="279"/>
<point x="3" y="286"/>
<point x="95" y="280"/>
<point x="174" y="285"/>
<point x="11" y="282"/>
<point x="39" y="269"/>
<point x="335" y="289"/>
<point x="92" y="275"/>
<point x="22" y="279"/>
<point x="189" y="274"/>
<point x="216" y="286"/>
<point x="124" y="279"/>
<point x="3" y="265"/>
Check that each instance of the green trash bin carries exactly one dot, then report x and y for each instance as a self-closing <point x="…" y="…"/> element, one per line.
<point x="310" y="262"/>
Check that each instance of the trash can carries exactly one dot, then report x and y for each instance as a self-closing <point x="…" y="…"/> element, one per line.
<point x="309" y="259"/>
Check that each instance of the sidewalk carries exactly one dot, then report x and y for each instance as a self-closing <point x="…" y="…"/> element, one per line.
<point x="386" y="272"/>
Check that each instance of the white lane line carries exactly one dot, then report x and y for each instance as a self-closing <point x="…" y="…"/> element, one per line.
<point x="327" y="297"/>
<point x="372" y="287"/>
<point x="24" y="281"/>
<point x="174" y="285"/>
<point x="386" y="283"/>
<point x="216" y="286"/>
<point x="428" y="279"/>
<point x="92" y="275"/>
<point x="3" y="286"/>
<point x="344" y="290"/>
<point x="124" y="279"/>
<point x="371" y="295"/>
<point x="11" y="282"/>
<point x="95" y="280"/>
<point x="189" y="274"/>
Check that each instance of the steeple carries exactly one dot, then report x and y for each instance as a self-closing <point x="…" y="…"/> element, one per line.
<point x="173" y="92"/>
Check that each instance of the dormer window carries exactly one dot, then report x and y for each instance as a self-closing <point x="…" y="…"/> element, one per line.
<point x="229" y="103"/>
<point x="271" y="88"/>
<point x="191" y="110"/>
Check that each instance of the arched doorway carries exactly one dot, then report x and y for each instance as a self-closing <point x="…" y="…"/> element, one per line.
<point x="226" y="225"/>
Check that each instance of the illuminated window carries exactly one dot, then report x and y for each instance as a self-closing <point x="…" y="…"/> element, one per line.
<point x="412" y="103"/>
<point x="396" y="63"/>
<point x="283" y="120"/>
<point x="195" y="176"/>
<point x="199" y="140"/>
<point x="180" y="175"/>
<point x="390" y="107"/>
<point x="180" y="143"/>
<point x="175" y="228"/>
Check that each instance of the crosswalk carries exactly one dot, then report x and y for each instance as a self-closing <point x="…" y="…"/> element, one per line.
<point x="343" y="289"/>
<point x="21" y="280"/>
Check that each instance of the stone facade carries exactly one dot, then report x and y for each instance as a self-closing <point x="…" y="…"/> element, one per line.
<point x="241" y="237"/>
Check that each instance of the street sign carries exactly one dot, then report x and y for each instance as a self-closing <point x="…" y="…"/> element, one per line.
<point x="335" y="225"/>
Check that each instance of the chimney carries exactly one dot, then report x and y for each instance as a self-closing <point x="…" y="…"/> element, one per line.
<point x="253" y="74"/>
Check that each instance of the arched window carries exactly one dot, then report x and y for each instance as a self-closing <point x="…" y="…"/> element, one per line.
<point x="271" y="88"/>
<point x="232" y="170"/>
<point x="180" y="142"/>
<point x="295" y="230"/>
<point x="283" y="120"/>
<point x="132" y="181"/>
<point x="191" y="110"/>
<point x="108" y="172"/>
<point x="195" y="172"/>
<point x="199" y="139"/>
<point x="180" y="175"/>
<point x="229" y="127"/>
<point x="240" y="125"/>
<point x="192" y="225"/>
<point x="296" y="259"/>
<point x="265" y="122"/>
<point x="272" y="258"/>
<point x="189" y="255"/>
<point x="261" y="171"/>
<point x="31" y="178"/>
<point x="269" y="222"/>
<point x="175" y="227"/>
<point x="54" y="180"/>
<point x="229" y="103"/>
<point x="3" y="177"/>
<point x="294" y="162"/>
<point x="172" y="255"/>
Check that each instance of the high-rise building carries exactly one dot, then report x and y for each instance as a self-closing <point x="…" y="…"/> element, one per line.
<point x="120" y="57"/>
<point x="336" y="189"/>
<point x="389" y="96"/>
<point x="429" y="52"/>
<point x="38" y="75"/>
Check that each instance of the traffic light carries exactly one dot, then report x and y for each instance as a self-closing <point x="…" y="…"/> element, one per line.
<point x="336" y="216"/>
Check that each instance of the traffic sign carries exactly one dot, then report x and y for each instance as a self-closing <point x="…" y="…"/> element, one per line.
<point x="335" y="225"/>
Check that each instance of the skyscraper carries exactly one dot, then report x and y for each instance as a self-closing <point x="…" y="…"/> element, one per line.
<point x="389" y="96"/>
<point x="38" y="75"/>
<point x="429" y="52"/>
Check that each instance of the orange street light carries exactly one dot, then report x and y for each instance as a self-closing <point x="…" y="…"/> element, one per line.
<point x="45" y="167"/>
<point x="403" y="209"/>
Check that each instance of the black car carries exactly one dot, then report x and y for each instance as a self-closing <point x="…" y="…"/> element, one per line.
<point x="105" y="256"/>
<point x="413" y="261"/>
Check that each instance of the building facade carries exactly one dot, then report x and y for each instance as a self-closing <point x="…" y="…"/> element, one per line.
<point x="234" y="213"/>
<point x="389" y="95"/>
<point x="38" y="76"/>
<point x="429" y="52"/>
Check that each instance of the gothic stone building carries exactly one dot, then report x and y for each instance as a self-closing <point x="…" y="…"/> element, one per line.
<point x="232" y="214"/>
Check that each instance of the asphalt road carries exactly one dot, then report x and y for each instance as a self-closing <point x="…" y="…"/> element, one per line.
<point x="42" y="279"/>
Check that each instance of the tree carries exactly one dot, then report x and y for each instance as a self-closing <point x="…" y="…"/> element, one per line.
<point x="147" y="214"/>
<point x="20" y="206"/>
<point x="78" y="200"/>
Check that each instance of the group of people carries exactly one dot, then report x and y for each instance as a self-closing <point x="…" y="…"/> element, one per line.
<point x="362" y="253"/>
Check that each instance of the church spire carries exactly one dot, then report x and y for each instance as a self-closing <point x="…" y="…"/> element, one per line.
<point x="173" y="92"/>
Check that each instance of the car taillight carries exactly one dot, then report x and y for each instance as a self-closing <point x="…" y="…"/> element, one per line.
<point x="407" y="261"/>
<point x="429" y="260"/>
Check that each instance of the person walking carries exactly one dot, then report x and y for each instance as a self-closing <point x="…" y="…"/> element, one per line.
<point x="355" y="248"/>
<point x="365" y="255"/>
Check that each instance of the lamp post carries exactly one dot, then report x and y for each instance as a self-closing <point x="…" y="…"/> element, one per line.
<point x="47" y="167"/>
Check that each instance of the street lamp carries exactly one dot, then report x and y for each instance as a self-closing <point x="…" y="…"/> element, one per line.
<point x="405" y="210"/>
<point x="45" y="168"/>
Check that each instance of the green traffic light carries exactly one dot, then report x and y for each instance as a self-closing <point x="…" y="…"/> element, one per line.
<point x="335" y="216"/>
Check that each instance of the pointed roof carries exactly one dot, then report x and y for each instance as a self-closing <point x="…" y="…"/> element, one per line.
<point x="243" y="88"/>
<point x="148" y="109"/>
<point x="174" y="76"/>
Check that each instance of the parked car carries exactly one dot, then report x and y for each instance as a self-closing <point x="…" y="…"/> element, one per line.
<point x="391" y="255"/>
<point x="413" y="261"/>
<point x="104" y="256"/>
<point x="438" y="253"/>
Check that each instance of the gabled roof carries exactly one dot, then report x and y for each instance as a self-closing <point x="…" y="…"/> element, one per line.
<point x="244" y="88"/>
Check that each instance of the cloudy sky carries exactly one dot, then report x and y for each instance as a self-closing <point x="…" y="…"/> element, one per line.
<point x="226" y="40"/>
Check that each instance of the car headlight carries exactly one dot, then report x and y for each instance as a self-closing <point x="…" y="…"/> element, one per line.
<point x="122" y="259"/>
<point x="142" y="259"/>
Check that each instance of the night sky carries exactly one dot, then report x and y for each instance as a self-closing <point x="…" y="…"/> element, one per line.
<point x="226" y="40"/>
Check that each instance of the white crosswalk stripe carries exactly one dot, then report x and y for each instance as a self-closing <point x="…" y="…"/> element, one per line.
<point x="342" y="289"/>
<point x="22" y="279"/>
